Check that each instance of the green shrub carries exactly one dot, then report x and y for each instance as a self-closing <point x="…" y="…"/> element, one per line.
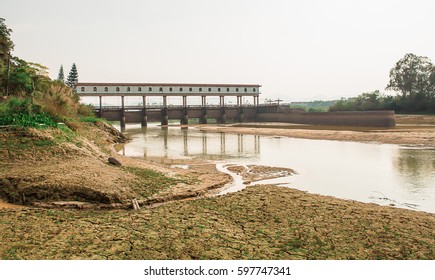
<point x="21" y="112"/>
<point x="90" y="119"/>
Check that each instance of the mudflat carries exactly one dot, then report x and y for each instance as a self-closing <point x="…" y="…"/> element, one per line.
<point x="260" y="222"/>
<point x="410" y="130"/>
<point x="78" y="206"/>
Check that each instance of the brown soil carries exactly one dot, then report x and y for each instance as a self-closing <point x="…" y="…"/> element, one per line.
<point x="261" y="222"/>
<point x="44" y="166"/>
<point x="252" y="173"/>
<point x="5" y="205"/>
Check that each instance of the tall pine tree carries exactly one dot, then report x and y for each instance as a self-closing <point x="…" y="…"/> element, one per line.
<point x="61" y="76"/>
<point x="73" y="77"/>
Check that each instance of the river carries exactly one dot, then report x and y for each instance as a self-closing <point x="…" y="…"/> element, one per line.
<point x="386" y="174"/>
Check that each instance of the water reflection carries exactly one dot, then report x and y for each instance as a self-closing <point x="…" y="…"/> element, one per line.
<point x="414" y="166"/>
<point x="181" y="143"/>
<point x="377" y="173"/>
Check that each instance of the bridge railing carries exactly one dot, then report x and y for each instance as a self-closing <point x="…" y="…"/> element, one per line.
<point x="140" y="107"/>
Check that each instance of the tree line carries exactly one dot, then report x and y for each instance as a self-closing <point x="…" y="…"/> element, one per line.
<point x="19" y="77"/>
<point x="28" y="97"/>
<point x="413" y="78"/>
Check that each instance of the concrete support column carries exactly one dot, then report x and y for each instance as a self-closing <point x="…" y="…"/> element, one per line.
<point x="203" y="119"/>
<point x="165" y="111"/>
<point x="241" y="115"/>
<point x="223" y="118"/>
<point x="122" y="113"/>
<point x="101" y="106"/>
<point x="164" y="116"/>
<point x="185" y="118"/>
<point x="222" y="101"/>
<point x="255" y="100"/>
<point x="203" y="101"/>
<point x="144" y="112"/>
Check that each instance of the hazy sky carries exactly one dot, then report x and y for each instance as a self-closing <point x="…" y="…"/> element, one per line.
<point x="298" y="50"/>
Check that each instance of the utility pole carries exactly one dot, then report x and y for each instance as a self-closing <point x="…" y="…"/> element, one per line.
<point x="278" y="100"/>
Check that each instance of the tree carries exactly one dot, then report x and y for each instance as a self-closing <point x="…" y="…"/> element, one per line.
<point x="27" y="77"/>
<point x="410" y="77"/>
<point x="73" y="77"/>
<point x="61" y="76"/>
<point x="432" y="77"/>
<point x="6" y="44"/>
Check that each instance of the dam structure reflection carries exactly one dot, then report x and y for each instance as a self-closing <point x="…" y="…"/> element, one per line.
<point x="182" y="143"/>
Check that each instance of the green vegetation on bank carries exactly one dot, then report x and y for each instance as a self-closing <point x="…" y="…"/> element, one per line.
<point x="22" y="112"/>
<point x="29" y="98"/>
<point x="314" y="106"/>
<point x="413" y="77"/>
<point x="150" y="181"/>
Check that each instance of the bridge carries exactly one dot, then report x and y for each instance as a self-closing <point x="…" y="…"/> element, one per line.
<point x="223" y="112"/>
<point x="143" y="114"/>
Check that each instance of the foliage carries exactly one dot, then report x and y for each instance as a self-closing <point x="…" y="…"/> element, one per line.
<point x="6" y="44"/>
<point x="26" y="77"/>
<point x="73" y="77"/>
<point x="61" y="76"/>
<point x="22" y="112"/>
<point x="432" y="77"/>
<point x="91" y="119"/>
<point x="413" y="77"/>
<point x="314" y="106"/>
<point x="377" y="101"/>
<point x="33" y="99"/>
<point x="365" y="101"/>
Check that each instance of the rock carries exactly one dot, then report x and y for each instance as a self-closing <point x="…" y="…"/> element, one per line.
<point x="114" y="161"/>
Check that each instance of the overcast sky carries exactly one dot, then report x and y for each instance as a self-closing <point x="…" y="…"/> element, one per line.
<point x="297" y="50"/>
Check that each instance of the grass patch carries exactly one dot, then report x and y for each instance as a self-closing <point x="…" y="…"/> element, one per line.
<point x="19" y="140"/>
<point x="92" y="119"/>
<point x="150" y="181"/>
<point x="239" y="226"/>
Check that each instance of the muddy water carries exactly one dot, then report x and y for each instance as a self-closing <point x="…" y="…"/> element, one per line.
<point x="401" y="176"/>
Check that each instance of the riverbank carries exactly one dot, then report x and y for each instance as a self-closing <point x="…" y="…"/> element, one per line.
<point x="410" y="130"/>
<point x="48" y="167"/>
<point x="259" y="222"/>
